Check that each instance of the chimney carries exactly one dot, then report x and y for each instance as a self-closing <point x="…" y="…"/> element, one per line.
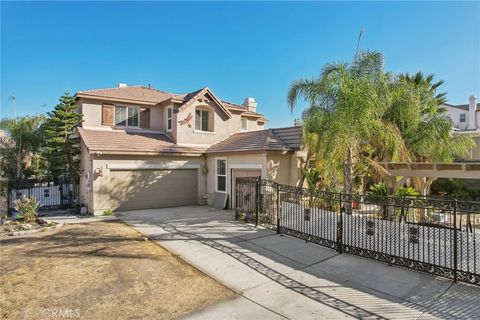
<point x="472" y="107"/>
<point x="122" y="85"/>
<point x="250" y="104"/>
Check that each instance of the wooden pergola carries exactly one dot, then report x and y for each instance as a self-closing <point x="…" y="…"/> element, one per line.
<point x="400" y="172"/>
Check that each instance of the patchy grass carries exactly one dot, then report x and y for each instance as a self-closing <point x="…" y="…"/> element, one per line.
<point x="101" y="270"/>
<point x="108" y="212"/>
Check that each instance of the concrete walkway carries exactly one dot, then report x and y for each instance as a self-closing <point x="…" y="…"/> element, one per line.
<point x="280" y="277"/>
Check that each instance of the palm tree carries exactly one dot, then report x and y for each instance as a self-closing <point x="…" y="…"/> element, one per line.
<point x="23" y="136"/>
<point x="347" y="103"/>
<point x="426" y="130"/>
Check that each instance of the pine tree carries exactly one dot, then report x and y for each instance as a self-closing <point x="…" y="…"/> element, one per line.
<point x="63" y="141"/>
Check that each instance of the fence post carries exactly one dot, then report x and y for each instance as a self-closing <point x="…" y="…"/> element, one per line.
<point x="279" y="211"/>
<point x="257" y="200"/>
<point x="340" y="227"/>
<point x="455" y="241"/>
<point x="236" y="199"/>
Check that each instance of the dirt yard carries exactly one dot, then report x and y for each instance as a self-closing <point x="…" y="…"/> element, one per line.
<point x="102" y="270"/>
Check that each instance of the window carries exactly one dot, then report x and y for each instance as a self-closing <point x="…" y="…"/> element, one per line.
<point x="244" y="124"/>
<point x="169" y="119"/>
<point x="126" y="116"/>
<point x="202" y="120"/>
<point x="462" y="117"/>
<point x="221" y="171"/>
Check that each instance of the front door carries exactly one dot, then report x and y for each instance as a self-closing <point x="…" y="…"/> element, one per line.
<point x="241" y="173"/>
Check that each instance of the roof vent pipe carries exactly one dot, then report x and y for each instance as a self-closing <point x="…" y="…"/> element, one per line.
<point x="472" y="106"/>
<point x="250" y="104"/>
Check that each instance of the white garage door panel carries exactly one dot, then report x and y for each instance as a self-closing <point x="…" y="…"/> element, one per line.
<point x="145" y="189"/>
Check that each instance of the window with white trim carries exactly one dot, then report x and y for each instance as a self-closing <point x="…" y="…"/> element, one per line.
<point x="221" y="175"/>
<point x="127" y="116"/>
<point x="243" y="124"/>
<point x="202" y="120"/>
<point x="463" y="117"/>
<point x="169" y="118"/>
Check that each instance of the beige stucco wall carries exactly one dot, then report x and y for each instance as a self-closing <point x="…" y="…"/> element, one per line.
<point x="223" y="125"/>
<point x="183" y="134"/>
<point x="282" y="168"/>
<point x="235" y="123"/>
<point x="157" y="118"/>
<point x="92" y="115"/>
<point x="101" y="196"/>
<point x="244" y="161"/>
<point x="85" y="184"/>
<point x="475" y="152"/>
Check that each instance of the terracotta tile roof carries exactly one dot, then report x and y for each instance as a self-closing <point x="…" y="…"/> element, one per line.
<point x="123" y="141"/>
<point x="150" y="95"/>
<point x="292" y="136"/>
<point x="281" y="139"/>
<point x="140" y="93"/>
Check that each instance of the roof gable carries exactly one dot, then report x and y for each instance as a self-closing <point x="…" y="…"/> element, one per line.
<point x="191" y="98"/>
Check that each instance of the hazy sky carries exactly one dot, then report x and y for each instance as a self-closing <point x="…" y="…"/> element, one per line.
<point x="237" y="49"/>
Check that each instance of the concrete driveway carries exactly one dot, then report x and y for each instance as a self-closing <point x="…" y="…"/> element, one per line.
<point x="281" y="277"/>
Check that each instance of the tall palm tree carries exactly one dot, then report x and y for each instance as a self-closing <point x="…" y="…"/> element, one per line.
<point x="427" y="131"/>
<point x="346" y="102"/>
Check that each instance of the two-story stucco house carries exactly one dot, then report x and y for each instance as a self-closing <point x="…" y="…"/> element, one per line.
<point x="466" y="119"/>
<point x="146" y="148"/>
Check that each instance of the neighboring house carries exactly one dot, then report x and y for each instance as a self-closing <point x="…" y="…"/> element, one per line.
<point x="146" y="148"/>
<point x="465" y="116"/>
<point x="466" y="119"/>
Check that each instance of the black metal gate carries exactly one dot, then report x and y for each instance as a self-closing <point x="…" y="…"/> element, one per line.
<point x="435" y="236"/>
<point x="51" y="195"/>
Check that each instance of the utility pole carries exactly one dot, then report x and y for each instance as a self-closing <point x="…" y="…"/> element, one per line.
<point x="362" y="31"/>
<point x="14" y="100"/>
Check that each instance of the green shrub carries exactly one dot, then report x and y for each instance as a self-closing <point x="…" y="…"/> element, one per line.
<point x="466" y="190"/>
<point x="28" y="208"/>
<point x="380" y="189"/>
<point x="108" y="212"/>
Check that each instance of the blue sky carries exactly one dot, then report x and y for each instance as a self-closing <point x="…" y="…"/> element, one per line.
<point x="237" y="49"/>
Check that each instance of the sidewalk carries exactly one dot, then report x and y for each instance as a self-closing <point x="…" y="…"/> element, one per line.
<point x="278" y="277"/>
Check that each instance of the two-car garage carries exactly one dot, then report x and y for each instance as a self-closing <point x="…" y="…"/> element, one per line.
<point x="146" y="189"/>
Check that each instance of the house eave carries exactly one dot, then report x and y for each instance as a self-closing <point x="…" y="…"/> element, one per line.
<point x="115" y="99"/>
<point x="144" y="153"/>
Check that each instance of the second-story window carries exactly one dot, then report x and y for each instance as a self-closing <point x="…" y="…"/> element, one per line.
<point x="169" y="119"/>
<point x="126" y="116"/>
<point x="462" y="117"/>
<point x="243" y="124"/>
<point x="202" y="120"/>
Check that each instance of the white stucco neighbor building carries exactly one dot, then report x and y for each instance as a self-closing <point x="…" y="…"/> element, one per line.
<point x="465" y="116"/>
<point x="466" y="119"/>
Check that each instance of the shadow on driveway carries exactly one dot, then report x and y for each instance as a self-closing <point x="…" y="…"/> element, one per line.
<point x="353" y="286"/>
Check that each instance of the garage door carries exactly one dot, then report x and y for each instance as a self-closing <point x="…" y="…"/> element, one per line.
<point x="145" y="189"/>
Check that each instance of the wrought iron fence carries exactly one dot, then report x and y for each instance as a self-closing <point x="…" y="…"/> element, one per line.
<point x="51" y="195"/>
<point x="436" y="236"/>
